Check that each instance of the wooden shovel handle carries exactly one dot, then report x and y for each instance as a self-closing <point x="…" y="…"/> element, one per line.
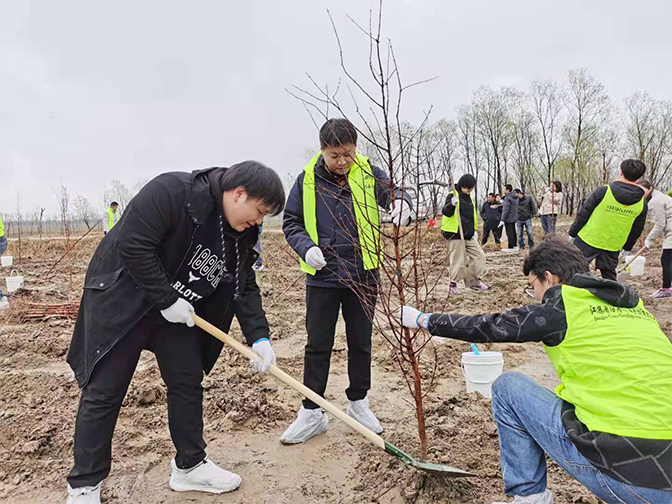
<point x="289" y="381"/>
<point x="459" y="225"/>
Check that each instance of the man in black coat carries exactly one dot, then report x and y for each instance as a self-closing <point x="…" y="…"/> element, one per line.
<point x="183" y="245"/>
<point x="491" y="213"/>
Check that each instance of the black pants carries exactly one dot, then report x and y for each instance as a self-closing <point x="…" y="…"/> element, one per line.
<point x="605" y="260"/>
<point x="496" y="232"/>
<point x="666" y="261"/>
<point x="178" y="352"/>
<point x="511" y="233"/>
<point x="322" y="307"/>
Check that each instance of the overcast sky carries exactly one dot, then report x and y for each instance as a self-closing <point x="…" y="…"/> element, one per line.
<point x="96" y="90"/>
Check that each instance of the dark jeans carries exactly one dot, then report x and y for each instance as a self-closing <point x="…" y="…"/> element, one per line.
<point x="666" y="261"/>
<point x="605" y="260"/>
<point x="548" y="223"/>
<point x="322" y="307"/>
<point x="178" y="352"/>
<point x="527" y="226"/>
<point x="496" y="232"/>
<point x="511" y="233"/>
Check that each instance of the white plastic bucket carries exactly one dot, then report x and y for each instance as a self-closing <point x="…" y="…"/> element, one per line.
<point x="14" y="282"/>
<point x="6" y="261"/>
<point x="480" y="371"/>
<point x="636" y="268"/>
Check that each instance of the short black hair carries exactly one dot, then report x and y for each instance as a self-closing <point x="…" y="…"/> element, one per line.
<point x="558" y="185"/>
<point x="633" y="169"/>
<point x="558" y="256"/>
<point x="491" y="194"/>
<point x="508" y="187"/>
<point x="468" y="181"/>
<point x="114" y="203"/>
<point x="260" y="182"/>
<point x="337" y="132"/>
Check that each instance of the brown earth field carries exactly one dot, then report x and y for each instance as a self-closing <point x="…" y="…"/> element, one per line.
<point x="246" y="413"/>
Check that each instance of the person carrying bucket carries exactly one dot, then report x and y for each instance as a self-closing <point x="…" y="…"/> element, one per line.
<point x="612" y="218"/>
<point x="660" y="207"/>
<point x="609" y="423"/>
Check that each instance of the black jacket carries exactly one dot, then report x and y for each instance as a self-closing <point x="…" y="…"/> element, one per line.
<point x="491" y="213"/>
<point x="527" y="208"/>
<point x="466" y="215"/>
<point x="131" y="271"/>
<point x="336" y="226"/>
<point x="510" y="207"/>
<point x="547" y="323"/>
<point x="626" y="194"/>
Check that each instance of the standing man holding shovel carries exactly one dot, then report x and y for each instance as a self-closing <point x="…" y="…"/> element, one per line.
<point x="183" y="245"/>
<point x="459" y="226"/>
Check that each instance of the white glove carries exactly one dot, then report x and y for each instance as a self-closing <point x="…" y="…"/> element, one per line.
<point x="648" y="244"/>
<point x="315" y="258"/>
<point x="501" y="224"/>
<point x="401" y="213"/>
<point x="409" y="316"/>
<point x="179" y="313"/>
<point x="455" y="200"/>
<point x="264" y="350"/>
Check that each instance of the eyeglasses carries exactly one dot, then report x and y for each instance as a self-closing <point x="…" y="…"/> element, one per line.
<point x="529" y="288"/>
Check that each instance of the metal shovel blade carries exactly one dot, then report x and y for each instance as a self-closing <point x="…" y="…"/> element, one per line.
<point x="437" y="469"/>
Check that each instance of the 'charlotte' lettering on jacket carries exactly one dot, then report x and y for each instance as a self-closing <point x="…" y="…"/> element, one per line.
<point x="187" y="294"/>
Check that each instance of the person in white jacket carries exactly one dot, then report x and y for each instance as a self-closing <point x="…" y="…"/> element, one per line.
<point x="660" y="207"/>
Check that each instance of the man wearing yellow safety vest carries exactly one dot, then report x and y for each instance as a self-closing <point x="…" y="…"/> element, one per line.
<point x="3" y="246"/>
<point x="460" y="203"/>
<point x="609" y="422"/>
<point x="611" y="219"/>
<point x="331" y="221"/>
<point x="112" y="216"/>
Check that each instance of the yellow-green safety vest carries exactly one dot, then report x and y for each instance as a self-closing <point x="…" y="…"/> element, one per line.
<point x="449" y="224"/>
<point x="615" y="365"/>
<point x="363" y="188"/>
<point x="2" y="228"/>
<point x="610" y="223"/>
<point x="112" y="219"/>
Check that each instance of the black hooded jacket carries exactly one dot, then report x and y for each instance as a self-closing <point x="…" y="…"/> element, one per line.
<point x="143" y="262"/>
<point x="626" y="194"/>
<point x="466" y="214"/>
<point x="546" y="322"/>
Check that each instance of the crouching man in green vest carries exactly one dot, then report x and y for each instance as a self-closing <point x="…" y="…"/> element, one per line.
<point x="609" y="422"/>
<point x="331" y="221"/>
<point x="612" y="218"/>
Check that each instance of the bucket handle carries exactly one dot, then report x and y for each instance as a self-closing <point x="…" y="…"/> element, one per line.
<point x="501" y="367"/>
<point x="12" y="273"/>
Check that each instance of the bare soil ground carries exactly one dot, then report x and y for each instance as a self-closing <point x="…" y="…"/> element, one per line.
<point x="245" y="413"/>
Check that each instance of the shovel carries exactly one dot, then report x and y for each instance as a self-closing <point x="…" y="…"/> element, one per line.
<point x="439" y="469"/>
<point x="623" y="274"/>
<point x="468" y="274"/>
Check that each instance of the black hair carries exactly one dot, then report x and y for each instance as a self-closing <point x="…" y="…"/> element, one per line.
<point x="508" y="187"/>
<point x="491" y="194"/>
<point x="259" y="181"/>
<point x="467" y="181"/>
<point x="558" y="185"/>
<point x="644" y="182"/>
<point x="114" y="203"/>
<point x="633" y="169"/>
<point x="337" y="132"/>
<point x="558" y="256"/>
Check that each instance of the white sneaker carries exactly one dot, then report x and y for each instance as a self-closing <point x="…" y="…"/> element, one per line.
<point x="309" y="423"/>
<point x="359" y="410"/>
<point x="204" y="477"/>
<point x="4" y="303"/>
<point x="84" y="495"/>
<point x="546" y="497"/>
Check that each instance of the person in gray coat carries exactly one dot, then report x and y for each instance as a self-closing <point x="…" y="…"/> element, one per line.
<point x="510" y="215"/>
